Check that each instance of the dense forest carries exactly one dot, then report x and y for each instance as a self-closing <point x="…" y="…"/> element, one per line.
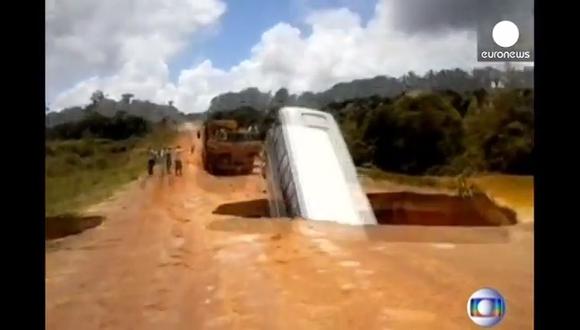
<point x="383" y="86"/>
<point x="101" y="104"/>
<point x="431" y="132"/>
<point x="441" y="132"/>
<point x="443" y="123"/>
<point x="94" y="125"/>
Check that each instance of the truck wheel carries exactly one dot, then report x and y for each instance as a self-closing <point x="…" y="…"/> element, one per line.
<point x="210" y="168"/>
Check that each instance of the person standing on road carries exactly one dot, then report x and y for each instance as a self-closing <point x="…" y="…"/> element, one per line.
<point x="168" y="160"/>
<point x="178" y="161"/>
<point x="159" y="159"/>
<point x="151" y="161"/>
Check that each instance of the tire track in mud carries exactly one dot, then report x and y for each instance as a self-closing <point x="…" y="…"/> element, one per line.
<point x="187" y="258"/>
<point x="163" y="260"/>
<point x="322" y="280"/>
<point x="177" y="303"/>
<point x="134" y="271"/>
<point x="90" y="293"/>
<point x="135" y="223"/>
<point x="170" y="267"/>
<point x="162" y="273"/>
<point x="330" y="284"/>
<point x="243" y="294"/>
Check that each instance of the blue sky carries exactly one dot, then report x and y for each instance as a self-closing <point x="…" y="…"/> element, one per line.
<point x="242" y="25"/>
<point x="189" y="51"/>
<point x="245" y="20"/>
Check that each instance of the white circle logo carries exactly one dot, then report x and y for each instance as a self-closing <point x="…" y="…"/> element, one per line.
<point x="505" y="34"/>
<point x="486" y="307"/>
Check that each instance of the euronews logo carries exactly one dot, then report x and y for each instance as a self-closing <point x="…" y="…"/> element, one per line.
<point x="506" y="34"/>
<point x="506" y="37"/>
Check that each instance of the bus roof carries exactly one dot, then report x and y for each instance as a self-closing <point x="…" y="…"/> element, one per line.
<point x="305" y="117"/>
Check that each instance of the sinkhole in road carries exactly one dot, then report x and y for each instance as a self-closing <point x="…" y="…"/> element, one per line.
<point x="69" y="224"/>
<point x="407" y="208"/>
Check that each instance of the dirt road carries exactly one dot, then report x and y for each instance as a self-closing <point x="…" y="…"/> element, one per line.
<point x="186" y="253"/>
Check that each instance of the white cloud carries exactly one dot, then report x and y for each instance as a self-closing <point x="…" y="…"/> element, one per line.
<point x="127" y="41"/>
<point x="339" y="48"/>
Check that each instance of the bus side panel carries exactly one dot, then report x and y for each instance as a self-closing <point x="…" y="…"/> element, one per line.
<point x="298" y="202"/>
<point x="358" y="195"/>
<point x="275" y="200"/>
<point x="287" y="175"/>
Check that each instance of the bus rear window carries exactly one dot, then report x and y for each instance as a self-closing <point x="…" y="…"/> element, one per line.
<point x="314" y="120"/>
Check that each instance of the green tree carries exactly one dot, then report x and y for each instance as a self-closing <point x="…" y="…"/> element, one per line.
<point x="499" y="133"/>
<point x="97" y="97"/>
<point x="126" y="98"/>
<point x="414" y="134"/>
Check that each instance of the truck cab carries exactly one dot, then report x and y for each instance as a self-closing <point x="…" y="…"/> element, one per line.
<point x="227" y="149"/>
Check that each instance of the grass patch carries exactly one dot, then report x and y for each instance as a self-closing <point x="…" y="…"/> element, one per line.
<point x="81" y="172"/>
<point x="444" y="182"/>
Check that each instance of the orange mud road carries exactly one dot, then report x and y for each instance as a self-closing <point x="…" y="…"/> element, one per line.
<point x="176" y="253"/>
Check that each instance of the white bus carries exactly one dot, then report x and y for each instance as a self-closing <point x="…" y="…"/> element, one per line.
<point x="309" y="170"/>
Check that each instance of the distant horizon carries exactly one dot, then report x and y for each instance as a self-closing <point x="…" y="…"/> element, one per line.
<point x="192" y="51"/>
<point x="501" y="68"/>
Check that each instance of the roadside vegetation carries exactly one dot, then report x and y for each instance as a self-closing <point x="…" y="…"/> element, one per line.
<point x="437" y="133"/>
<point x="441" y="182"/>
<point x="437" y="138"/>
<point x="87" y="160"/>
<point x="441" y="133"/>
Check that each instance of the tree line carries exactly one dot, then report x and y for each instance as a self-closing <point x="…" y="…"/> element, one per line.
<point x="94" y="125"/>
<point x="441" y="132"/>
<point x="429" y="132"/>
<point x="383" y="86"/>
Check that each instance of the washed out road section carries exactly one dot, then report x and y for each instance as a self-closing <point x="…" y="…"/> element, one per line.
<point x="164" y="257"/>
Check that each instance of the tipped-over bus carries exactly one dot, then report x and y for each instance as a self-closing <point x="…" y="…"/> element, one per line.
<point x="309" y="171"/>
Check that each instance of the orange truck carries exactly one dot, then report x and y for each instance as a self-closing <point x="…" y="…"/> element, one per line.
<point x="227" y="149"/>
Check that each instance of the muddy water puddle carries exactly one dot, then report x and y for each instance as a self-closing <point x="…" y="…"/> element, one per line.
<point x="68" y="224"/>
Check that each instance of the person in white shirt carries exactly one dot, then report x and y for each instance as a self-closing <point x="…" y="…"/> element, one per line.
<point x="168" y="159"/>
<point x="159" y="159"/>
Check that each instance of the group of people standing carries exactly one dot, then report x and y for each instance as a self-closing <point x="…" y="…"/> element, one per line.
<point x="169" y="158"/>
